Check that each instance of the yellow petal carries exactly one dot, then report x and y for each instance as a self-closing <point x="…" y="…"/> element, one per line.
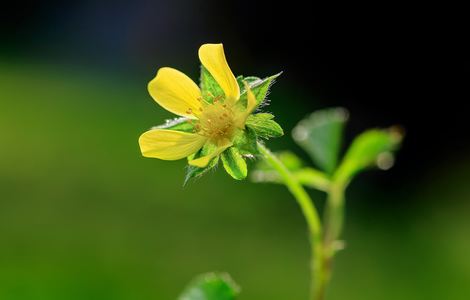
<point x="251" y="103"/>
<point x="169" y="144"/>
<point x="176" y="92"/>
<point x="242" y="113"/>
<point x="201" y="162"/>
<point x="212" y="57"/>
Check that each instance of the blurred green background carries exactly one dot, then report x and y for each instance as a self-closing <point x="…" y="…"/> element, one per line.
<point x="84" y="216"/>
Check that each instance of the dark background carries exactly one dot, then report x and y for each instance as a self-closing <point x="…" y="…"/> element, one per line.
<point x="404" y="65"/>
<point x="90" y="61"/>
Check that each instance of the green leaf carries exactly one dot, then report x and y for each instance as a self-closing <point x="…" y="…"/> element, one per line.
<point x="194" y="172"/>
<point x="263" y="171"/>
<point x="179" y="124"/>
<point x="249" y="79"/>
<point x="305" y="175"/>
<point x="264" y="125"/>
<point x="259" y="87"/>
<point x="211" y="286"/>
<point x="320" y="135"/>
<point x="209" y="87"/>
<point x="288" y="158"/>
<point x="367" y="150"/>
<point x="234" y="163"/>
<point x="245" y="142"/>
<point x="313" y="178"/>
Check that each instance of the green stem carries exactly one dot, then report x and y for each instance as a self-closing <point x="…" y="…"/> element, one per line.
<point x="318" y="278"/>
<point x="334" y="219"/>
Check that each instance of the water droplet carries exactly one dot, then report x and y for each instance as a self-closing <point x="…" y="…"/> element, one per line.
<point x="385" y="161"/>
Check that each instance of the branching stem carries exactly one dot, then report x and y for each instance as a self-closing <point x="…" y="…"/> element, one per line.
<point x="323" y="239"/>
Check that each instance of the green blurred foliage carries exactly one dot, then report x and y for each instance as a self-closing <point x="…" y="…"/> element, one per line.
<point x="321" y="134"/>
<point x="211" y="286"/>
<point x="84" y="216"/>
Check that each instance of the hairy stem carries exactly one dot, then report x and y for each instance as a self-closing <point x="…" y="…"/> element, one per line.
<point x="318" y="267"/>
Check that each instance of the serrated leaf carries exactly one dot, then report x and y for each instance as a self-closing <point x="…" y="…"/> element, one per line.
<point x="209" y="86"/>
<point x="259" y="87"/>
<point x="179" y="124"/>
<point x="264" y="125"/>
<point x="320" y="135"/>
<point x="249" y="79"/>
<point x="211" y="286"/>
<point x="366" y="149"/>
<point x="245" y="142"/>
<point x="234" y="163"/>
<point x="193" y="171"/>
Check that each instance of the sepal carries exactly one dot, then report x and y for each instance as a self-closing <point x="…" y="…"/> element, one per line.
<point x="179" y="124"/>
<point x="264" y="125"/>
<point x="234" y="163"/>
<point x="196" y="172"/>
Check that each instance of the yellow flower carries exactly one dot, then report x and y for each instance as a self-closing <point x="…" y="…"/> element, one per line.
<point x="216" y="118"/>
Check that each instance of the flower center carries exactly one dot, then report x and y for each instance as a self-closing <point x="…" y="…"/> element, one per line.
<point x="216" y="122"/>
